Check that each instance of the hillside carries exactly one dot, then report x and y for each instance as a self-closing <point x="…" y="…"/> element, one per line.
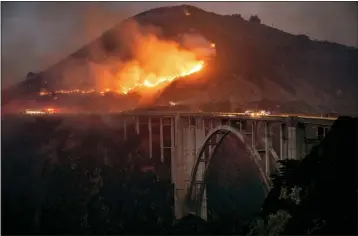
<point x="254" y="63"/>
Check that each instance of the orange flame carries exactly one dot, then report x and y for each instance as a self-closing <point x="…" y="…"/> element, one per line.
<point x="155" y="64"/>
<point x="153" y="82"/>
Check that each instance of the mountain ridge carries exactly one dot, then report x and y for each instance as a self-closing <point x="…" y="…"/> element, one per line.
<point x="254" y="61"/>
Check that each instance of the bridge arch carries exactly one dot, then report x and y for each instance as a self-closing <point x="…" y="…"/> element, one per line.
<point x="194" y="200"/>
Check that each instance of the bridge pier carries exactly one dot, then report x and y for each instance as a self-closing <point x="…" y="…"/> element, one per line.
<point x="253" y="135"/>
<point x="296" y="138"/>
<point x="178" y="171"/>
<point x="199" y="140"/>
<point x="283" y="141"/>
<point x="268" y="146"/>
<point x="320" y="132"/>
<point x="189" y="136"/>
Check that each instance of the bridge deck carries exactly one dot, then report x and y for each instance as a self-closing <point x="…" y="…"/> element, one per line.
<point x="315" y="120"/>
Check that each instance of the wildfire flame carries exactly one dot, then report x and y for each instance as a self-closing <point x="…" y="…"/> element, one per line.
<point x="155" y="64"/>
<point x="157" y="81"/>
<point x="125" y="90"/>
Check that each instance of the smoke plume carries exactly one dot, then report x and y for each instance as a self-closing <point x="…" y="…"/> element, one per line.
<point x="150" y="62"/>
<point x="62" y="28"/>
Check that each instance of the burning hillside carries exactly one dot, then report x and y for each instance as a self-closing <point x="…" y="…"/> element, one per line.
<point x="144" y="64"/>
<point x="154" y="63"/>
<point x="254" y="63"/>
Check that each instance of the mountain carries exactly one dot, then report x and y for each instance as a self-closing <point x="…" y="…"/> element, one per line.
<point x="254" y="64"/>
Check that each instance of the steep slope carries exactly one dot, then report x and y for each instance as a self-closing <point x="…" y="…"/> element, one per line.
<point x="254" y="62"/>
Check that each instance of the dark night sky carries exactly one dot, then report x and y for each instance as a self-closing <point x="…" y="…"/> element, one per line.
<point x="38" y="34"/>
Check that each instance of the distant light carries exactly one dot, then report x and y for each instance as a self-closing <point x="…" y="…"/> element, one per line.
<point x="34" y="112"/>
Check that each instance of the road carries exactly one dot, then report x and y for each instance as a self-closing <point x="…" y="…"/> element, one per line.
<point x="229" y="115"/>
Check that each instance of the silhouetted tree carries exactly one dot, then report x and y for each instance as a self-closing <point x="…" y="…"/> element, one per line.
<point x="313" y="196"/>
<point x="30" y="75"/>
<point x="237" y="16"/>
<point x="255" y="19"/>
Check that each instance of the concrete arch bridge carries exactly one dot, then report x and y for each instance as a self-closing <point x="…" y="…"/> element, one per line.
<point x="189" y="141"/>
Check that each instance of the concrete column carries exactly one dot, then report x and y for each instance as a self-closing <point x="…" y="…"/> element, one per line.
<point x="200" y="139"/>
<point x="189" y="148"/>
<point x="217" y="123"/>
<point x="301" y="144"/>
<point x="243" y="126"/>
<point x="150" y="137"/>
<point x="188" y="140"/>
<point x="211" y="127"/>
<point x="291" y="131"/>
<point x="295" y="139"/>
<point x="172" y="149"/>
<point x="178" y="170"/>
<point x="320" y="132"/>
<point x="253" y="135"/>
<point x="283" y="141"/>
<point x="193" y="134"/>
<point x="268" y="145"/>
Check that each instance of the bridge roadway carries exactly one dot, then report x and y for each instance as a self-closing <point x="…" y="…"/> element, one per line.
<point x="275" y="117"/>
<point x="301" y="118"/>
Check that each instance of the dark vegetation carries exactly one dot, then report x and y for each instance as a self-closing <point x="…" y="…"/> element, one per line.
<point x="57" y="179"/>
<point x="68" y="176"/>
<point x="65" y="178"/>
<point x="317" y="195"/>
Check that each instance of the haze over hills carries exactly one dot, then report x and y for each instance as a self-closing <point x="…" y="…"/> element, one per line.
<point x="255" y="65"/>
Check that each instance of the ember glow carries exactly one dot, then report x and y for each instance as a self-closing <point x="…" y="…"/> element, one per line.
<point x="138" y="81"/>
<point x="154" y="64"/>
<point x="157" y="63"/>
<point x="155" y="82"/>
<point x="47" y="111"/>
<point x="151" y="81"/>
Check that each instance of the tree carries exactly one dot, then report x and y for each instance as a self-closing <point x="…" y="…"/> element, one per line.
<point x="30" y="75"/>
<point x="313" y="196"/>
<point x="237" y="16"/>
<point x="255" y="19"/>
<point x="95" y="186"/>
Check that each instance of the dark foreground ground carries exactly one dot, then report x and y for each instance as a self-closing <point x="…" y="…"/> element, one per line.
<point x="62" y="178"/>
